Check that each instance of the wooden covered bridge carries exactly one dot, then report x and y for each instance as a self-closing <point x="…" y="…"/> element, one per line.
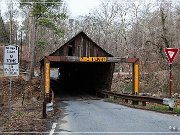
<point x="84" y="66"/>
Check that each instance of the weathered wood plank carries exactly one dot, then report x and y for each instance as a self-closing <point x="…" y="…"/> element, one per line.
<point x="92" y="59"/>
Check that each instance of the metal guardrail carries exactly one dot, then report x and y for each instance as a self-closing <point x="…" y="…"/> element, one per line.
<point x="136" y="99"/>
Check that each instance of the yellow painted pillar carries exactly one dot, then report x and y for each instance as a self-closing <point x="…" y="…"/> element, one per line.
<point x="136" y="78"/>
<point x="47" y="79"/>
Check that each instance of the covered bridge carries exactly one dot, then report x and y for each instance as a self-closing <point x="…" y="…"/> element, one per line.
<point x="83" y="66"/>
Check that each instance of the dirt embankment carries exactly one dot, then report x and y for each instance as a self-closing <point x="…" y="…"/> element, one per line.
<point x="26" y="108"/>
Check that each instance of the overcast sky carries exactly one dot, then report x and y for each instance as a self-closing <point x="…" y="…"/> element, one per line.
<point x="81" y="7"/>
<point x="76" y="7"/>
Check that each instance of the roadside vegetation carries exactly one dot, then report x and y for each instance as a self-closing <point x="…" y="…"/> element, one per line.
<point x="163" y="108"/>
<point x="26" y="107"/>
<point x="149" y="106"/>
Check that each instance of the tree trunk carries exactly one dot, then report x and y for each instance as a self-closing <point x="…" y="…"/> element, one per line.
<point x="33" y="49"/>
<point x="164" y="30"/>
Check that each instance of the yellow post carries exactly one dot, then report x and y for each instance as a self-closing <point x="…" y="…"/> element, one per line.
<point x="136" y="78"/>
<point x="47" y="78"/>
<point x="46" y="85"/>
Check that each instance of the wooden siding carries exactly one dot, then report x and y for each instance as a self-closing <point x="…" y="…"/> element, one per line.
<point x="81" y="45"/>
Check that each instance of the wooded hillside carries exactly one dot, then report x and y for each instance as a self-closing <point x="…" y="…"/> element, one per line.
<point x="124" y="29"/>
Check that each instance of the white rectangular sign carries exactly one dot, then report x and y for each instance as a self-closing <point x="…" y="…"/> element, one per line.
<point x="11" y="54"/>
<point x="11" y="70"/>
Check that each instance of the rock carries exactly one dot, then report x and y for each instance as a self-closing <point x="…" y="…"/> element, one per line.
<point x="34" y="99"/>
<point x="176" y="95"/>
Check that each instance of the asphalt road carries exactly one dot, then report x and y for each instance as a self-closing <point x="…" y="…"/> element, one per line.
<point x="99" y="117"/>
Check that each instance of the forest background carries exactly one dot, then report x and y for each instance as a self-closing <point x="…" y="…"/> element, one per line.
<point x="125" y="29"/>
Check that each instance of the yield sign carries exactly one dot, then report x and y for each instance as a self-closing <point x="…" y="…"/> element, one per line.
<point x="171" y="53"/>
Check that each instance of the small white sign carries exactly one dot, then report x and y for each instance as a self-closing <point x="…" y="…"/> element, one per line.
<point x="11" y="70"/>
<point x="11" y="54"/>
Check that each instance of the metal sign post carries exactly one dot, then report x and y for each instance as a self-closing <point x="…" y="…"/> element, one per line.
<point x="170" y="80"/>
<point x="10" y="94"/>
<point x="171" y="54"/>
<point x="11" y="67"/>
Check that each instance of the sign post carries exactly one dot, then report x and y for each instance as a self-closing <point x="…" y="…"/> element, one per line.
<point x="171" y="54"/>
<point x="11" y="66"/>
<point x="170" y="80"/>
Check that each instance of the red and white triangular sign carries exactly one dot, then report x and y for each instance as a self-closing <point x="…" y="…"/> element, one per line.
<point x="171" y="53"/>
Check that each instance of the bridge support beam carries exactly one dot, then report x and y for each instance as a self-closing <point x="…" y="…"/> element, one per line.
<point x="46" y="85"/>
<point x="135" y="77"/>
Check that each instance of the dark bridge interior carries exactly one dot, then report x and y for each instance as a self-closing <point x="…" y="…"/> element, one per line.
<point x="79" y="78"/>
<point x="76" y="75"/>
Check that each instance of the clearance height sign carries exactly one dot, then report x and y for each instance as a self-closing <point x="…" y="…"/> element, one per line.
<point x="93" y="59"/>
<point x="11" y="60"/>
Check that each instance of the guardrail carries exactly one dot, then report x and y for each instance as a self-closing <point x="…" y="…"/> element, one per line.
<point x="136" y="99"/>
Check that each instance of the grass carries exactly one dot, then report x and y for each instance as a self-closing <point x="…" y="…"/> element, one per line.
<point x="177" y="109"/>
<point x="153" y="107"/>
<point x="157" y="107"/>
<point x="162" y="108"/>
